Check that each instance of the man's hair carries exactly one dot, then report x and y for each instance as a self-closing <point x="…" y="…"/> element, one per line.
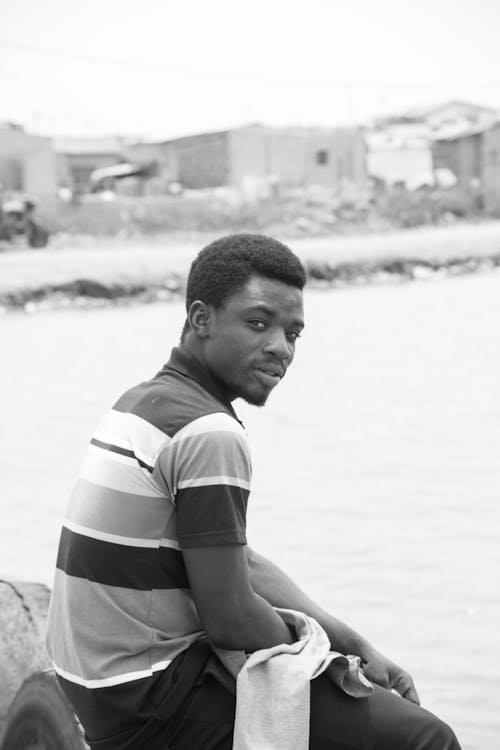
<point x="225" y="265"/>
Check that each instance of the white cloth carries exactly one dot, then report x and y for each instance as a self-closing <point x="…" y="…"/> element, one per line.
<point x="273" y="686"/>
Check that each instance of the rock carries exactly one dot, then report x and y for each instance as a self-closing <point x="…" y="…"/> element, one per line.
<point x="23" y="614"/>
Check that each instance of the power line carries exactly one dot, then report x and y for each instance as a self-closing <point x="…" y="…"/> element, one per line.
<point x="148" y="65"/>
<point x="55" y="107"/>
<point x="225" y="75"/>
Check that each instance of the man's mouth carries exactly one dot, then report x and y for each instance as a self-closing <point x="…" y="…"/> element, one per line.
<point x="270" y="375"/>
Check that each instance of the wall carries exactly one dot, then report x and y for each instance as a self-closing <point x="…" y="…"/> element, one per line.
<point x="27" y="163"/>
<point x="297" y="157"/>
<point x="462" y="156"/>
<point x="491" y="170"/>
<point x="75" y="169"/>
<point x="199" y="161"/>
<point x="410" y="165"/>
<point x="400" y="153"/>
<point x="265" y="159"/>
<point x="345" y="153"/>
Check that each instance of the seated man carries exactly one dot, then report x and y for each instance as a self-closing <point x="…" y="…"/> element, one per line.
<point x="153" y="566"/>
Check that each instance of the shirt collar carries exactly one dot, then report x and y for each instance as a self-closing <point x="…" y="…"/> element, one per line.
<point x="185" y="363"/>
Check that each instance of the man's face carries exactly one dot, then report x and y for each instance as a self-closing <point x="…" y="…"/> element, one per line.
<point x="251" y="339"/>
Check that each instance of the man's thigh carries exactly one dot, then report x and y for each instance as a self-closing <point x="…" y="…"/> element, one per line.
<point x="383" y="721"/>
<point x="208" y="720"/>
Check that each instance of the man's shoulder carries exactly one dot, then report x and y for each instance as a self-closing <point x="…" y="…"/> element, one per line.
<point x="170" y="402"/>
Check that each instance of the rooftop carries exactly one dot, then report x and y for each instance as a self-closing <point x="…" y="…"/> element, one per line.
<point x="89" y="144"/>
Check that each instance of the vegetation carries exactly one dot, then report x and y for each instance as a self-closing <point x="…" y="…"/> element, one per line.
<point x="305" y="213"/>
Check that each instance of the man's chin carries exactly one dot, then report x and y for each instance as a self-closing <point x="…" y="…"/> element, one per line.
<point x="253" y="402"/>
<point x="255" y="399"/>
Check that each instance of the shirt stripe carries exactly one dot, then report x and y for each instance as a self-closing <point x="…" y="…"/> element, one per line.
<point x="117" y="539"/>
<point x="207" y="481"/>
<point x="114" y="538"/>
<point x="118" y="679"/>
<point x="118" y="472"/>
<point x="123" y="514"/>
<point x="216" y="422"/>
<point x="140" y="568"/>
<point x="130" y="431"/>
<point x="122" y="452"/>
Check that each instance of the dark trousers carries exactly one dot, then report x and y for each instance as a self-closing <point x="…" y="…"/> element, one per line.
<point x="205" y="718"/>
<point x="381" y="722"/>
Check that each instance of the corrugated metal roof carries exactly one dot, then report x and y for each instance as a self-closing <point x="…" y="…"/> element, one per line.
<point x="459" y="131"/>
<point x="88" y="145"/>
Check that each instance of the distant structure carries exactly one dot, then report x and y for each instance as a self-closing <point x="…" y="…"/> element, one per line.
<point x="399" y="153"/>
<point x="408" y="148"/>
<point x="27" y="162"/>
<point x="490" y="172"/>
<point x="461" y="152"/>
<point x="454" y="114"/>
<point x="454" y="145"/>
<point x="470" y="149"/>
<point x="79" y="157"/>
<point x="259" y="160"/>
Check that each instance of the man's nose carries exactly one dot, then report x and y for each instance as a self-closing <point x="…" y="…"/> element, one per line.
<point x="278" y="345"/>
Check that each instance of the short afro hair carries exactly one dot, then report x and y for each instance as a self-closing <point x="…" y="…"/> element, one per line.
<point x="225" y="265"/>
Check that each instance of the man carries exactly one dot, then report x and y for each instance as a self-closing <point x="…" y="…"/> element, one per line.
<point x="153" y="566"/>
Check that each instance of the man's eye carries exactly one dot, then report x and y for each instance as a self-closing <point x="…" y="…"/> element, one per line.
<point x="293" y="335"/>
<point x="259" y="324"/>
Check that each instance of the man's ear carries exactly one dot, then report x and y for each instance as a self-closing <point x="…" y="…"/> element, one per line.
<point x="199" y="318"/>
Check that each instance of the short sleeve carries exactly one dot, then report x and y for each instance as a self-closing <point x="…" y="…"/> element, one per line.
<point x="207" y="467"/>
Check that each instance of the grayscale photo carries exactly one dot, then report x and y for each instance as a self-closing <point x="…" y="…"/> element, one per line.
<point x="250" y="375"/>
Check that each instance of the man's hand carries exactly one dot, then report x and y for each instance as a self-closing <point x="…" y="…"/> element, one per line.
<point x="389" y="675"/>
<point x="280" y="591"/>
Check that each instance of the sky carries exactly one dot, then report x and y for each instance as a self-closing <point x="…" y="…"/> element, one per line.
<point x="166" y="68"/>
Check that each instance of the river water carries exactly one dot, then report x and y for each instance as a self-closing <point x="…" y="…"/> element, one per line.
<point x="376" y="464"/>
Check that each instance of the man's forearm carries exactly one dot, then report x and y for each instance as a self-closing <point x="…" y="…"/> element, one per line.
<point x="252" y="625"/>
<point x="278" y="589"/>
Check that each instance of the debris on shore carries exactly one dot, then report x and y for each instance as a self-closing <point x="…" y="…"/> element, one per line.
<point x="88" y="293"/>
<point x="396" y="270"/>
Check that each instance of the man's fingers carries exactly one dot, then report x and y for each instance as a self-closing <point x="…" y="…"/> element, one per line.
<point x="405" y="687"/>
<point x="377" y="675"/>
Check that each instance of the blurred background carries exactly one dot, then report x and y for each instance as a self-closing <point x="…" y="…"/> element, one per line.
<point x="367" y="137"/>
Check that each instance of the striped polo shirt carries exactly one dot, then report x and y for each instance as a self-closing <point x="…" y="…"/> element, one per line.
<point x="168" y="468"/>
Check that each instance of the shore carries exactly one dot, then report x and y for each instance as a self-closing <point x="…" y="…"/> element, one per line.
<point x="90" y="271"/>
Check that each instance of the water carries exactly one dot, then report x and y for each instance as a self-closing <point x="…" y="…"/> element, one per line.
<point x="376" y="464"/>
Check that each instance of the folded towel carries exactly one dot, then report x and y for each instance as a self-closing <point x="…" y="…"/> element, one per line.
<point x="273" y="685"/>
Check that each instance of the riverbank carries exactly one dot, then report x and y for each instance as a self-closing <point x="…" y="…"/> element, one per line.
<point x="90" y="271"/>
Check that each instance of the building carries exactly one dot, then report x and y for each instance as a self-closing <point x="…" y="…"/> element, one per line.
<point x="27" y="162"/>
<point x="78" y="157"/>
<point x="298" y="157"/>
<point x="474" y="158"/>
<point x="407" y="148"/>
<point x="453" y="114"/>
<point x="257" y="160"/>
<point x="461" y="153"/>
<point x="400" y="154"/>
<point x="491" y="170"/>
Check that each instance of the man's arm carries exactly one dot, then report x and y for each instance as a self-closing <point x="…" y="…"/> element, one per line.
<point x="273" y="585"/>
<point x="232" y="613"/>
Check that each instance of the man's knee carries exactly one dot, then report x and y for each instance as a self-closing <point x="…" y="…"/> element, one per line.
<point x="381" y="722"/>
<point x="400" y="725"/>
<point x="436" y="735"/>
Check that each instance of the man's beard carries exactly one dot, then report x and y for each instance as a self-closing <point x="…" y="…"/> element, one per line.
<point x="247" y="393"/>
<point x="253" y="401"/>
